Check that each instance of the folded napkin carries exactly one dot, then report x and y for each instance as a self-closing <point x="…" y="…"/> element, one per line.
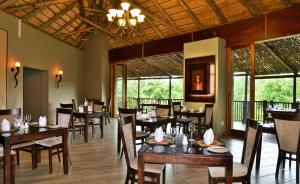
<point x="185" y="140"/>
<point x="201" y="109"/>
<point x="158" y="135"/>
<point x="42" y="121"/>
<point x="138" y="115"/>
<point x="208" y="136"/>
<point x="5" y="125"/>
<point x="81" y="108"/>
<point x="90" y="108"/>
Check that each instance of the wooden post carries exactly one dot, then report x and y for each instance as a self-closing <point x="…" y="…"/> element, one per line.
<point x="294" y="89"/>
<point x="139" y="94"/>
<point x="252" y="80"/>
<point x="124" y="90"/>
<point x="170" y="89"/>
<point x="228" y="91"/>
<point x="112" y="88"/>
<point x="245" y="104"/>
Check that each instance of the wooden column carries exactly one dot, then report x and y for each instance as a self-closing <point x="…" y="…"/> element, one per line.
<point x="229" y="85"/>
<point x="252" y="80"/>
<point x="294" y="88"/>
<point x="170" y="89"/>
<point x="139" y="94"/>
<point x="124" y="90"/>
<point x="112" y="88"/>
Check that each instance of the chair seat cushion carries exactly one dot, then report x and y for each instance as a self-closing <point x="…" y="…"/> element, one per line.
<point x="141" y="134"/>
<point x="219" y="172"/>
<point x="78" y="123"/>
<point x="153" y="168"/>
<point x="12" y="152"/>
<point x="22" y="145"/>
<point x="49" y="142"/>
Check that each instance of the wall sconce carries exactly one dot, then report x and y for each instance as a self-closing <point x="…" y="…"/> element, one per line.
<point x="59" y="75"/>
<point x="17" y="68"/>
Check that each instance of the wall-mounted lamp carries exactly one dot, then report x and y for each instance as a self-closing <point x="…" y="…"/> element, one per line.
<point x="17" y="69"/>
<point x="59" y="75"/>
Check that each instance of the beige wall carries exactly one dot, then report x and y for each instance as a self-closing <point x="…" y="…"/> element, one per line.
<point x="96" y="68"/>
<point x="3" y="55"/>
<point x="214" y="46"/>
<point x="38" y="50"/>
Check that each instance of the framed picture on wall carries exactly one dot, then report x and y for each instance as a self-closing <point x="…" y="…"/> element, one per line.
<point x="3" y="66"/>
<point x="200" y="79"/>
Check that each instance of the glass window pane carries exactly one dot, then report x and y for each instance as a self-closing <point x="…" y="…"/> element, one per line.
<point x="155" y="88"/>
<point x="298" y="89"/>
<point x="177" y="89"/>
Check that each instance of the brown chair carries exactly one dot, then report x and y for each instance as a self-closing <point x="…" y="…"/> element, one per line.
<point x="67" y="106"/>
<point x="11" y="115"/>
<point x="208" y="118"/>
<point x="64" y="118"/>
<point x="12" y="160"/>
<point x="288" y="137"/>
<point x="241" y="171"/>
<point x="98" y="106"/>
<point x="163" y="111"/>
<point x="151" y="170"/>
<point x="181" y="122"/>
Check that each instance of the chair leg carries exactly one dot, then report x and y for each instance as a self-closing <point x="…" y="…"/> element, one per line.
<point x="122" y="151"/>
<point x="278" y="164"/>
<point x="127" y="178"/>
<point x="58" y="154"/>
<point x="164" y="176"/>
<point x="18" y="156"/>
<point x="50" y="159"/>
<point x="13" y="165"/>
<point x="158" y="179"/>
<point x="93" y="130"/>
<point x="33" y="157"/>
<point x="290" y="161"/>
<point x="297" y="168"/>
<point x="283" y="160"/>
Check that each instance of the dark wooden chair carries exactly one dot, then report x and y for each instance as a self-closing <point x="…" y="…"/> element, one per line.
<point x="288" y="137"/>
<point x="208" y="118"/>
<point x="98" y="106"/>
<point x="180" y="121"/>
<point x="64" y="118"/>
<point x="11" y="115"/>
<point x="12" y="153"/>
<point x="163" y="111"/>
<point x="153" y="171"/>
<point x="241" y="171"/>
<point x="67" y="106"/>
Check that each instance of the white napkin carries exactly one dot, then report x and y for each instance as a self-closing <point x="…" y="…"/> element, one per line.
<point x="138" y="115"/>
<point x="201" y="109"/>
<point x="184" y="108"/>
<point x="158" y="135"/>
<point x="208" y="136"/>
<point x="185" y="140"/>
<point x="5" y="125"/>
<point x="42" y="121"/>
<point x="90" y="108"/>
<point x="85" y="103"/>
<point x="81" y="109"/>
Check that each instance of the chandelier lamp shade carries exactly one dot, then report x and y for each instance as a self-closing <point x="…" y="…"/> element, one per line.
<point x="125" y="19"/>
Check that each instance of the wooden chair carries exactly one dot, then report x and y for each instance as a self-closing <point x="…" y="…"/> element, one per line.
<point x="11" y="115"/>
<point x="151" y="170"/>
<point x="208" y="118"/>
<point x="64" y="118"/>
<point x="98" y="106"/>
<point x="67" y="106"/>
<point x="181" y="122"/>
<point x="241" y="171"/>
<point x="108" y="111"/>
<point x="12" y="160"/>
<point x="288" y="137"/>
<point x="163" y="111"/>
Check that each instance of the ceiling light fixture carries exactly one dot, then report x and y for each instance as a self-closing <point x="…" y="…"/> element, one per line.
<point x="126" y="20"/>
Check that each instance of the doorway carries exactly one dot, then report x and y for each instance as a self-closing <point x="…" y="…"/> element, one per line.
<point x="35" y="92"/>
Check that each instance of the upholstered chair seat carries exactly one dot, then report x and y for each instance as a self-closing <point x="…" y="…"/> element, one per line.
<point x="238" y="170"/>
<point x="12" y="152"/>
<point x="153" y="168"/>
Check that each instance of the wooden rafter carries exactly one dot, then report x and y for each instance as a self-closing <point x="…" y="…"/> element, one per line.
<point x="150" y="15"/>
<point x="33" y="13"/>
<point x="78" y="40"/>
<point x="95" y="10"/>
<point x="279" y="58"/>
<point x="58" y="15"/>
<point x="217" y="11"/>
<point x="254" y="10"/>
<point x="190" y="13"/>
<point x="36" y="5"/>
<point x="163" y="13"/>
<point x="81" y="8"/>
<point x="64" y="26"/>
<point x="77" y="31"/>
<point x="155" y="67"/>
<point x="157" y="31"/>
<point x="287" y="3"/>
<point x="7" y="3"/>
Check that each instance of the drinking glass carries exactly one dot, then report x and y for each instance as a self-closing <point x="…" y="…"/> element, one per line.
<point x="191" y="130"/>
<point x="173" y="133"/>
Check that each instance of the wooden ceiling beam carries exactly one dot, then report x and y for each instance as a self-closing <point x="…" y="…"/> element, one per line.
<point x="58" y="15"/>
<point x="77" y="31"/>
<point x="36" y="5"/>
<point x="190" y="13"/>
<point x="287" y="3"/>
<point x="155" y="67"/>
<point x="163" y="13"/>
<point x="33" y="13"/>
<point x="81" y="8"/>
<point x="150" y="15"/>
<point x="254" y="10"/>
<point x="7" y="3"/>
<point x="157" y="31"/>
<point x="64" y="26"/>
<point x="217" y="11"/>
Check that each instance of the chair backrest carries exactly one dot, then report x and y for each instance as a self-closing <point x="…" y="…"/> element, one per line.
<point x="10" y="114"/>
<point x="74" y="104"/>
<point x="97" y="105"/>
<point x="208" y="114"/>
<point x="67" y="106"/>
<point x="176" y="106"/>
<point x="287" y="131"/>
<point x="64" y="117"/>
<point x="127" y="141"/>
<point x="162" y="110"/>
<point x="108" y="105"/>
<point x="252" y="138"/>
<point x="129" y="116"/>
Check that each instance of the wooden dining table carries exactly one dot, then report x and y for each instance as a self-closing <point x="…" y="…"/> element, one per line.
<point x="88" y="115"/>
<point x="154" y="122"/>
<point x="189" y="114"/>
<point x="193" y="155"/>
<point x="27" y="135"/>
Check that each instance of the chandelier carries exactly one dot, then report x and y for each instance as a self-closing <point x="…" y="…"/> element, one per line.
<point x="126" y="20"/>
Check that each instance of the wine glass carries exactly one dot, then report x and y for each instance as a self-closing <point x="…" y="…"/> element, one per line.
<point x="173" y="132"/>
<point x="191" y="130"/>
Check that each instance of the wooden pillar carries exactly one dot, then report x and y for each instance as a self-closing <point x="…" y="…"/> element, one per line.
<point x="245" y="104"/>
<point x="294" y="89"/>
<point x="124" y="90"/>
<point x="113" y="89"/>
<point x="170" y="89"/>
<point x="139" y="94"/>
<point x="252" y="80"/>
<point x="229" y="76"/>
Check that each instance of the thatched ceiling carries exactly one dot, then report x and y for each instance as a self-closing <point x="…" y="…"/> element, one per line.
<point x="74" y="21"/>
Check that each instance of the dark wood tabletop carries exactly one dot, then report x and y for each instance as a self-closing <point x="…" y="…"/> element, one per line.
<point x="189" y="114"/>
<point x="154" y="122"/>
<point x="26" y="135"/>
<point x="194" y="155"/>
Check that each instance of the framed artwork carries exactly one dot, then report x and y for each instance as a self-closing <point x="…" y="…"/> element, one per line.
<point x="200" y="79"/>
<point x="3" y="61"/>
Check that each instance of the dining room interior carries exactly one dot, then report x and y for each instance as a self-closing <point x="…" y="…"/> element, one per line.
<point x="149" y="91"/>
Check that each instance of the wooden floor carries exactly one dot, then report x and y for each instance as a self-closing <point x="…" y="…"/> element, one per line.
<point x="98" y="162"/>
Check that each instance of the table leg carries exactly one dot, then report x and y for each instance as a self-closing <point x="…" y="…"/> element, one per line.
<point x="229" y="172"/>
<point x="65" y="151"/>
<point x="258" y="153"/>
<point x="119" y="140"/>
<point x="140" y="170"/>
<point x="86" y="130"/>
<point x="7" y="174"/>
<point x="199" y="127"/>
<point x="101" y="119"/>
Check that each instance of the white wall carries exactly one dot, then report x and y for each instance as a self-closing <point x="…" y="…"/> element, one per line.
<point x="214" y="46"/>
<point x="38" y="50"/>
